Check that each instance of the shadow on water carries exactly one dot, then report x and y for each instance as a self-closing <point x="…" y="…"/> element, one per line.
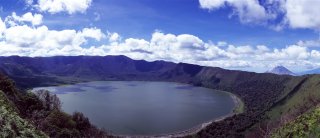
<point x="132" y="85"/>
<point x="104" y="88"/>
<point x="65" y="90"/>
<point x="184" y="87"/>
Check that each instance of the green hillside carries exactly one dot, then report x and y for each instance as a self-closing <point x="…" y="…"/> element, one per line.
<point x="304" y="97"/>
<point x="24" y="114"/>
<point x="301" y="95"/>
<point x="305" y="126"/>
<point x="11" y="124"/>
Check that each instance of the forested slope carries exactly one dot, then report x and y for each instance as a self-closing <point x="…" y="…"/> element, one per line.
<point x="24" y="114"/>
<point x="306" y="125"/>
<point x="12" y="125"/>
<point x="304" y="99"/>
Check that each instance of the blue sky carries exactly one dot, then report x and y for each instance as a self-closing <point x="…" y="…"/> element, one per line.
<point x="140" y="18"/>
<point x="246" y="34"/>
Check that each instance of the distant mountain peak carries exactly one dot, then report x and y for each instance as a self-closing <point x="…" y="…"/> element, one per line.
<point x="281" y="70"/>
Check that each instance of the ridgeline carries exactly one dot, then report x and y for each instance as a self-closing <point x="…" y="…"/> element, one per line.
<point x="267" y="97"/>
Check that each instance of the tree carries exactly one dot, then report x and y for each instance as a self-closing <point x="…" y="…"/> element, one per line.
<point x="49" y="101"/>
<point x="81" y="121"/>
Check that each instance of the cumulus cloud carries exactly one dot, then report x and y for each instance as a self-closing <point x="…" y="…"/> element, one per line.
<point x="34" y="19"/>
<point x="292" y="52"/>
<point x="114" y="37"/>
<point x="302" y="13"/>
<point x="2" y="27"/>
<point x="41" y="41"/>
<point x="315" y="54"/>
<point x="309" y="43"/>
<point x="35" y="39"/>
<point x="248" y="11"/>
<point x="56" y="6"/>
<point x="193" y="50"/>
<point x="291" y="13"/>
<point x="93" y="33"/>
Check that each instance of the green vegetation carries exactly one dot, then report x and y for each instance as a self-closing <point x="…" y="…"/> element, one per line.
<point x="259" y="93"/>
<point x="301" y="95"/>
<point x="25" y="114"/>
<point x="306" y="96"/>
<point x="305" y="126"/>
<point x="12" y="125"/>
<point x="240" y="107"/>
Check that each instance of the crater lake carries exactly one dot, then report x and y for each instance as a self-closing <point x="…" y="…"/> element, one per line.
<point x="144" y="108"/>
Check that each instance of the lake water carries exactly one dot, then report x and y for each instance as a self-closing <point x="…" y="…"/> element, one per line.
<point x="143" y="108"/>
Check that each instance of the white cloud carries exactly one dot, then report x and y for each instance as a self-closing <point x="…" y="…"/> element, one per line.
<point x="240" y="49"/>
<point x="2" y="27"/>
<point x="56" y="6"/>
<point x="248" y="11"/>
<point x="262" y="49"/>
<point x="34" y="19"/>
<point x="93" y="33"/>
<point x="27" y="36"/>
<point x="315" y="54"/>
<point x="114" y="37"/>
<point x="29" y="2"/>
<point x="171" y="47"/>
<point x="222" y="43"/>
<point x="292" y="13"/>
<point x="292" y="52"/>
<point x="303" y="13"/>
<point x="309" y="43"/>
<point x="39" y="40"/>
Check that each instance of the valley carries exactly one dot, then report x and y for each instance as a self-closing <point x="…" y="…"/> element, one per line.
<point x="266" y="96"/>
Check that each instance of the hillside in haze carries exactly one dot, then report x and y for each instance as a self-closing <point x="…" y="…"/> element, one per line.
<point x="57" y="70"/>
<point x="267" y="97"/>
<point x="314" y="71"/>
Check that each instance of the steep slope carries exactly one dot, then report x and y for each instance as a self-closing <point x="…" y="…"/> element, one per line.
<point x="281" y="70"/>
<point x="306" y="96"/>
<point x="11" y="124"/>
<point x="258" y="91"/>
<point x="25" y="114"/>
<point x="302" y="94"/>
<point x="306" y="125"/>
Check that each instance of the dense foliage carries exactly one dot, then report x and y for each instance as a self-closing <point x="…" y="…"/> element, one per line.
<point x="11" y="124"/>
<point x="41" y="111"/>
<point x="258" y="96"/>
<point x="305" y="126"/>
